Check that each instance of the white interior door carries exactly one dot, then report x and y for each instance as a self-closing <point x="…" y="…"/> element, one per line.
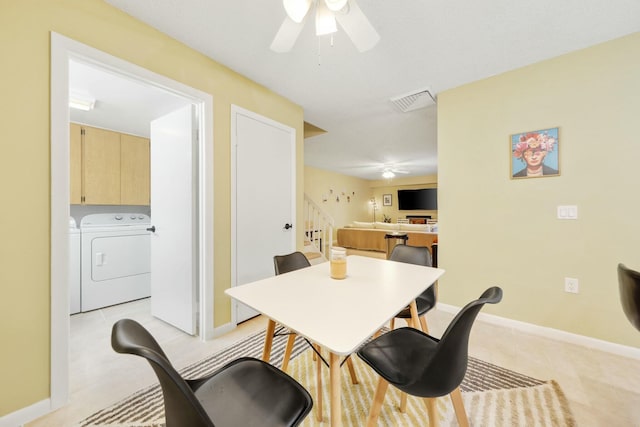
<point x="173" y="214"/>
<point x="264" y="197"/>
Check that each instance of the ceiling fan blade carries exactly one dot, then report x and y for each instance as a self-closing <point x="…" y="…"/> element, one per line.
<point x="287" y="35"/>
<point x="358" y="27"/>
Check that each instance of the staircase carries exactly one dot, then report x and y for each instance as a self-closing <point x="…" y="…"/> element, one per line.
<point x="318" y="232"/>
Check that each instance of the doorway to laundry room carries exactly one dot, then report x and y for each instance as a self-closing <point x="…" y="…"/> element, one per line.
<point x="132" y="106"/>
<point x="137" y="194"/>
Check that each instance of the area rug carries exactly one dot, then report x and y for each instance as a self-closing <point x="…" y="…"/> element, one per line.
<point x="493" y="396"/>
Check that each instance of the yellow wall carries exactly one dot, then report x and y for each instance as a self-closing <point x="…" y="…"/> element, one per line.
<point x="398" y="183"/>
<point x="318" y="184"/>
<point x="498" y="231"/>
<point x="25" y="28"/>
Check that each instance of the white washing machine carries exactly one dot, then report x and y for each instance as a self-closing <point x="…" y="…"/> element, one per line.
<point x="74" y="267"/>
<point x="116" y="259"/>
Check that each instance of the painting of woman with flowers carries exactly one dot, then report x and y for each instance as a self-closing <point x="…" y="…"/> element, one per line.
<point x="535" y="154"/>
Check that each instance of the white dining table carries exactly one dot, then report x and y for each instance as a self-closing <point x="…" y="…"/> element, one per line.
<point x="337" y="315"/>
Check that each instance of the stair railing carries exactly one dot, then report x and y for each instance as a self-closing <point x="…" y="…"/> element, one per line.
<point x="318" y="227"/>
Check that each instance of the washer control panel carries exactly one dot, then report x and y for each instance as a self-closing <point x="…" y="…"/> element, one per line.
<point x="114" y="219"/>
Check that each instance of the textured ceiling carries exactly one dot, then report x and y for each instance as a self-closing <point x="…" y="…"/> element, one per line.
<point x="424" y="43"/>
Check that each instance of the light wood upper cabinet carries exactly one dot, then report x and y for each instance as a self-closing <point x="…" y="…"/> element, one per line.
<point x="101" y="166"/>
<point x="75" y="164"/>
<point x="134" y="170"/>
<point x="108" y="168"/>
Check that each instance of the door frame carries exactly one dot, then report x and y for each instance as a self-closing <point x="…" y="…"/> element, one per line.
<point x="235" y="112"/>
<point x="62" y="50"/>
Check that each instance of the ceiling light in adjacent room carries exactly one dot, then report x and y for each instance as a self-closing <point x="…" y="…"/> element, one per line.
<point x="81" y="102"/>
<point x="387" y="174"/>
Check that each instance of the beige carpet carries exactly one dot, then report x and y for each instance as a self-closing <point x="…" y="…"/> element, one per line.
<point x="493" y="396"/>
<point x="542" y="404"/>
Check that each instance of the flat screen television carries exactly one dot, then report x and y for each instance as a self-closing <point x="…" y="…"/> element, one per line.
<point x="423" y="199"/>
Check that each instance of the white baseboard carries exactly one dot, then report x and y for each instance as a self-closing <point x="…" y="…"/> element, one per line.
<point x="221" y="330"/>
<point x="26" y="414"/>
<point x="554" y="334"/>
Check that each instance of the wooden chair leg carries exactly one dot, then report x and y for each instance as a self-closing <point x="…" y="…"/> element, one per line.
<point x="352" y="371"/>
<point x="318" y="402"/>
<point x="432" y="411"/>
<point x="376" y="405"/>
<point x="403" y="402"/>
<point x="287" y="351"/>
<point x="458" y="407"/>
<point x="423" y="322"/>
<point x="393" y="323"/>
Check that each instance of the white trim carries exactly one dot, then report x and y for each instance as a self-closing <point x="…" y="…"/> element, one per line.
<point x="235" y="111"/>
<point x="59" y="221"/>
<point x="221" y="330"/>
<point x="554" y="334"/>
<point x="62" y="50"/>
<point x="26" y="414"/>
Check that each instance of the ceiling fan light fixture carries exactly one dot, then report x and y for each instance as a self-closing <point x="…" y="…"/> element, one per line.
<point x="296" y="9"/>
<point x="325" y="20"/>
<point x="387" y="174"/>
<point x="335" y="5"/>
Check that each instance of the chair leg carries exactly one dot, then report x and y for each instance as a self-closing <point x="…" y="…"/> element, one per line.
<point x="318" y="402"/>
<point x="376" y="405"/>
<point x="458" y="407"/>
<point x="352" y="371"/>
<point x="423" y="322"/>
<point x="432" y="411"/>
<point x="287" y="351"/>
<point x="403" y="402"/>
<point x="393" y="323"/>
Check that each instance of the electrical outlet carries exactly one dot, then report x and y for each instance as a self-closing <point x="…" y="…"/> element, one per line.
<point x="571" y="285"/>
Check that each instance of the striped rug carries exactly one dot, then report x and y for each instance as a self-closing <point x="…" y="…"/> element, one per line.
<point x="493" y="396"/>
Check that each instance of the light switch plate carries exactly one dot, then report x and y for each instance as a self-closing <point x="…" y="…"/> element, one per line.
<point x="568" y="212"/>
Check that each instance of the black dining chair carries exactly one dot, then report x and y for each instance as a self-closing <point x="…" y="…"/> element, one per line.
<point x="427" y="299"/>
<point x="629" y="286"/>
<point x="424" y="366"/>
<point x="244" y="392"/>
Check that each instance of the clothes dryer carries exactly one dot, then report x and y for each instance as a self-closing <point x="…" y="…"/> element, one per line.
<point x="74" y="267"/>
<point x="116" y="259"/>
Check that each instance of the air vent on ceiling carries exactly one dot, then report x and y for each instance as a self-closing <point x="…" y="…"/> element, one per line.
<point x="414" y="100"/>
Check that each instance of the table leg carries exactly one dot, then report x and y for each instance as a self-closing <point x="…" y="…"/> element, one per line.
<point x="318" y="402"/>
<point x="268" y="341"/>
<point x="334" y="378"/>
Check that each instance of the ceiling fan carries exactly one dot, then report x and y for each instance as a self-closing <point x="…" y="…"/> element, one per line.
<point x="327" y="12"/>
<point x="389" y="172"/>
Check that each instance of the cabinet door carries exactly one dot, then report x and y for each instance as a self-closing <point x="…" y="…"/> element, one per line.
<point x="101" y="167"/>
<point x="134" y="170"/>
<point x="75" y="164"/>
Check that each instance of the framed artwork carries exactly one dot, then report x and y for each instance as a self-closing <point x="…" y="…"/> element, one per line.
<point x="535" y="154"/>
<point x="386" y="200"/>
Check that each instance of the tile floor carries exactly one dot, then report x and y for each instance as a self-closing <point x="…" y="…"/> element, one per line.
<point x="603" y="389"/>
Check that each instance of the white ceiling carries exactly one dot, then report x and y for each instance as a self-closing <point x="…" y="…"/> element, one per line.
<point x="424" y="43"/>
<point x="121" y="104"/>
